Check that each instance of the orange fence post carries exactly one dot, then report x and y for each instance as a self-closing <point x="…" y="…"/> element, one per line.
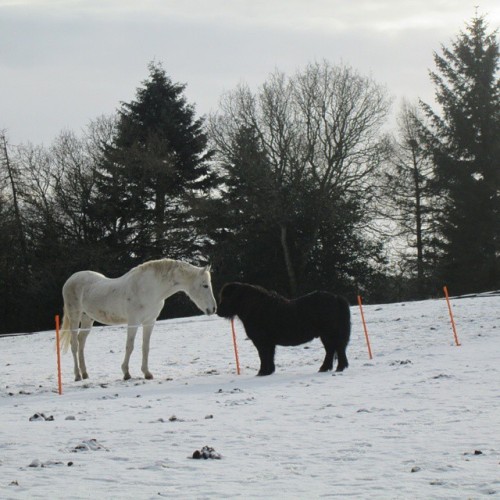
<point x="59" y="378"/>
<point x="457" y="343"/>
<point x="364" y="327"/>
<point x="235" y="347"/>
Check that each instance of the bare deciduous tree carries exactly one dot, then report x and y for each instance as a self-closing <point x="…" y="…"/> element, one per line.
<point x="74" y="161"/>
<point x="12" y="176"/>
<point x="408" y="199"/>
<point x="320" y="130"/>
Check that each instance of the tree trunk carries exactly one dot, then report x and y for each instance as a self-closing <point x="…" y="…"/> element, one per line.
<point x="17" y="211"/>
<point x="418" y="220"/>
<point x="292" y="278"/>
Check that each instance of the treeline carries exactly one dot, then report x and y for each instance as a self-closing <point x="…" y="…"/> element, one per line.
<point x="295" y="186"/>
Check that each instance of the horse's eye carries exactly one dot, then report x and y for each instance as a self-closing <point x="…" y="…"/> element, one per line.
<point x="205" y="286"/>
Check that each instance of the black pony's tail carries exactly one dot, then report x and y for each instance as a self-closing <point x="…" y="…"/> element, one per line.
<point x="344" y="319"/>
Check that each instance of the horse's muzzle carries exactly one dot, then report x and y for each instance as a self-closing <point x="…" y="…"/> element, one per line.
<point x="224" y="312"/>
<point x="210" y="310"/>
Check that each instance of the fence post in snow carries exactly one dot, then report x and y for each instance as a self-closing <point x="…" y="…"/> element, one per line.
<point x="364" y="327"/>
<point x="457" y="343"/>
<point x="58" y="348"/>
<point x="235" y="345"/>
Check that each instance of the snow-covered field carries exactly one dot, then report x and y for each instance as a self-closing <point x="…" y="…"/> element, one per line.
<point x="419" y="421"/>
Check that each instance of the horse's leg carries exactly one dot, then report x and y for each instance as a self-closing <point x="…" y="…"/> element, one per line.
<point x="147" y="330"/>
<point x="342" y="359"/>
<point x="131" y="332"/>
<point x="74" y="324"/>
<point x="330" y="352"/>
<point x="266" y="354"/>
<point x="85" y="326"/>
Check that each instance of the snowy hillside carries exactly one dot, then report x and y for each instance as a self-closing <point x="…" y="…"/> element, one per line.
<point x="419" y="421"/>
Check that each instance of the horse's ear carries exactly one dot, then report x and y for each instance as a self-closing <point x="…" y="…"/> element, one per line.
<point x="205" y="269"/>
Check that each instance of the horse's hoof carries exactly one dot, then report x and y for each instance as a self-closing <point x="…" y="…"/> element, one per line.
<point x="85" y="375"/>
<point x="127" y="376"/>
<point x="78" y="378"/>
<point x="148" y="376"/>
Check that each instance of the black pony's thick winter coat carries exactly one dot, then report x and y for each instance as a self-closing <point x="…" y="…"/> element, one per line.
<point x="270" y="320"/>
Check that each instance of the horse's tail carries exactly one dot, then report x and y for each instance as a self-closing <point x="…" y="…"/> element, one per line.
<point x="343" y="332"/>
<point x="344" y="320"/>
<point x="65" y="336"/>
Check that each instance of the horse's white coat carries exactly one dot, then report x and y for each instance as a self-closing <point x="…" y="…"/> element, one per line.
<point x="136" y="298"/>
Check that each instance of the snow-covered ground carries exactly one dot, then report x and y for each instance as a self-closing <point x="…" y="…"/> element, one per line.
<point x="419" y="421"/>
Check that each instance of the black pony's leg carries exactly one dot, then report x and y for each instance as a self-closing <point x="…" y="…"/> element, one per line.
<point x="342" y="359"/>
<point x="266" y="354"/>
<point x="330" y="353"/>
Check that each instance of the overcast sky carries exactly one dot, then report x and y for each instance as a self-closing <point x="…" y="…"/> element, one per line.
<point x="63" y="63"/>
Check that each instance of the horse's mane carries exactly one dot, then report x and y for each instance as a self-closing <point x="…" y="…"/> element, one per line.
<point x="271" y="294"/>
<point x="164" y="267"/>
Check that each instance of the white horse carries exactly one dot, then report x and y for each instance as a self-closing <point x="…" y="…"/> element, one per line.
<point x="136" y="298"/>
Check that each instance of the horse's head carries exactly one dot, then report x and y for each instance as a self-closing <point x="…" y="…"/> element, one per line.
<point x="230" y="299"/>
<point x="200" y="291"/>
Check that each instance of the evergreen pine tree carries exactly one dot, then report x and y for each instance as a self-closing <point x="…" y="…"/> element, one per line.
<point x="158" y="156"/>
<point x="464" y="143"/>
<point x="242" y="220"/>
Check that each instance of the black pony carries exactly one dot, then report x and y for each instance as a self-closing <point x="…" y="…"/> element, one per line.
<point x="270" y="320"/>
